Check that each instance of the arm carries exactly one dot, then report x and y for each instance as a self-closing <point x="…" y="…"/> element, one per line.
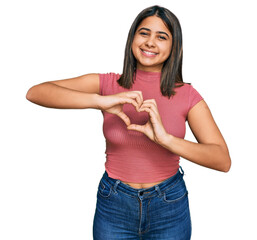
<point x="211" y="150"/>
<point x="80" y="93"/>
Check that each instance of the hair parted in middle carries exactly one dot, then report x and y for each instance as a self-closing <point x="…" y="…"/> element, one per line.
<point x="171" y="76"/>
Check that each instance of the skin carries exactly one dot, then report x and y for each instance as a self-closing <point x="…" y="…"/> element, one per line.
<point x="83" y="92"/>
<point x="152" y="35"/>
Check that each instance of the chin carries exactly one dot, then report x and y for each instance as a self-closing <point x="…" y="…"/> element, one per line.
<point x="149" y="67"/>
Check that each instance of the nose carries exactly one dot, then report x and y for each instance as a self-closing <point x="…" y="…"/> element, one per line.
<point x="150" y="42"/>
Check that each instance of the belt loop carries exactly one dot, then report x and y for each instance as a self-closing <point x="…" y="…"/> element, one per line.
<point x="115" y="186"/>
<point x="181" y="170"/>
<point x="158" y="190"/>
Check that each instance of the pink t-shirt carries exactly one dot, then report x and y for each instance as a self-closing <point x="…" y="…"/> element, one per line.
<point x="130" y="155"/>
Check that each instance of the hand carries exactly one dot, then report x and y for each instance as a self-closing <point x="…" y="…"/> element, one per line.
<point x="154" y="128"/>
<point x="114" y="103"/>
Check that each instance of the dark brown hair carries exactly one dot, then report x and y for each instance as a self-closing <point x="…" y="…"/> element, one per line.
<point x="172" y="67"/>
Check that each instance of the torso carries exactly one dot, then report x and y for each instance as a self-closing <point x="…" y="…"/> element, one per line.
<point x="130" y="155"/>
<point x="142" y="185"/>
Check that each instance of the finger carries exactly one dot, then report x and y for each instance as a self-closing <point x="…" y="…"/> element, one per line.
<point x="137" y="95"/>
<point x="154" y="118"/>
<point x="136" y="127"/>
<point x="124" y="117"/>
<point x="140" y="98"/>
<point x="151" y="113"/>
<point x="139" y="101"/>
<point x="134" y="103"/>
<point x="127" y="99"/>
<point x="149" y="105"/>
<point x="151" y="101"/>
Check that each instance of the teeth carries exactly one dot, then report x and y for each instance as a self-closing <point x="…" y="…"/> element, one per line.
<point x="150" y="53"/>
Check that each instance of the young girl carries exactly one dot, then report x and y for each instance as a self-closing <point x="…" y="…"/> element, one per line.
<point x="142" y="194"/>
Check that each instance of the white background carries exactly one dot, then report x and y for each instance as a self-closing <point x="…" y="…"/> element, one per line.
<point x="52" y="160"/>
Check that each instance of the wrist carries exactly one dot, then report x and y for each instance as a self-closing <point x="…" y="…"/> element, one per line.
<point x="167" y="141"/>
<point x="91" y="100"/>
<point x="98" y="100"/>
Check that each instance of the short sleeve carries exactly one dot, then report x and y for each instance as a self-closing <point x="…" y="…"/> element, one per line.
<point x="107" y="82"/>
<point x="103" y="78"/>
<point x="194" y="98"/>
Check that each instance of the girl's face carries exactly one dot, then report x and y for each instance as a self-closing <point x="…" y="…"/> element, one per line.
<point x="152" y="44"/>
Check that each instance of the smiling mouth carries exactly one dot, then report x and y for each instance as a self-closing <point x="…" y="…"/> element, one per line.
<point x="148" y="54"/>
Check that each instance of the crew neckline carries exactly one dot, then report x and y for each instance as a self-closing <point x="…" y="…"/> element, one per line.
<point x="147" y="76"/>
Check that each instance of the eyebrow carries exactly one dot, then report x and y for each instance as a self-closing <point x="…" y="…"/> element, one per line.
<point x="149" y="30"/>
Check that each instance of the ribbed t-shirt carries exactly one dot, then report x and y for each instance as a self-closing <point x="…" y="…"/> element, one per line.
<point x="130" y="155"/>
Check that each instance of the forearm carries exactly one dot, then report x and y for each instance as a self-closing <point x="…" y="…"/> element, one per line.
<point x="208" y="155"/>
<point x="53" y="96"/>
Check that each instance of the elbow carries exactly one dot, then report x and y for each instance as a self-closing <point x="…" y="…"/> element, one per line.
<point x="33" y="93"/>
<point x="226" y="165"/>
<point x="29" y="94"/>
<point x="226" y="168"/>
<point x="224" y="160"/>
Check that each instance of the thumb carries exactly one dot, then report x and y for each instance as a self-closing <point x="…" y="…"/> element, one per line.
<point x="136" y="127"/>
<point x="124" y="117"/>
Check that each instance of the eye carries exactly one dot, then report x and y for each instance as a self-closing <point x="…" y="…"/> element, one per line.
<point x="143" y="33"/>
<point x="162" y="37"/>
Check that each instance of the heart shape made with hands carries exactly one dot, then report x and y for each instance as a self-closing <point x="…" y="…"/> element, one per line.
<point x="131" y="108"/>
<point x="133" y="116"/>
<point x="146" y="120"/>
<point x="148" y="113"/>
<point x="152" y="126"/>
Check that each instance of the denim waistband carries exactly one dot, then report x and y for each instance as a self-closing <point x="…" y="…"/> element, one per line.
<point x="158" y="189"/>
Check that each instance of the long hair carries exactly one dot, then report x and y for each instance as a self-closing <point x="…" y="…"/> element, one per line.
<point x="171" y="76"/>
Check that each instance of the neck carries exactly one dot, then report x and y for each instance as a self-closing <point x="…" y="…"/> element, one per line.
<point x="147" y="76"/>
<point x="157" y="68"/>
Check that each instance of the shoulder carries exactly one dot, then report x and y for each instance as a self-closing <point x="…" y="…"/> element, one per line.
<point x="108" y="82"/>
<point x="186" y="87"/>
<point x="186" y="90"/>
<point x="189" y="94"/>
<point x="109" y="76"/>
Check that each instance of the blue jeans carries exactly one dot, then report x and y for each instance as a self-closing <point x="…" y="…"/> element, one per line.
<point x="160" y="212"/>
